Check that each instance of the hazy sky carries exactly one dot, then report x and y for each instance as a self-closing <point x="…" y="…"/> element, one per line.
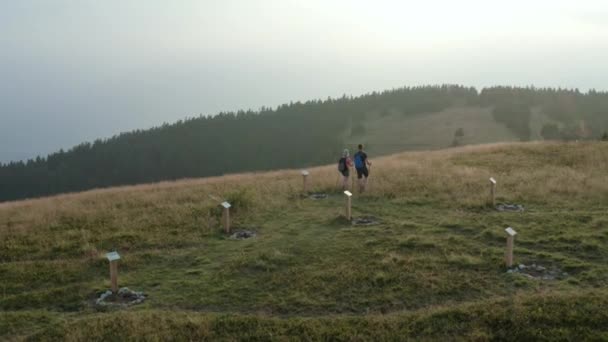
<point x="75" y="70"/>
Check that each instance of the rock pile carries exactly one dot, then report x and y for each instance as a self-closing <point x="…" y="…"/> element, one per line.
<point x="124" y="297"/>
<point x="365" y="221"/>
<point x="514" y="208"/>
<point x="535" y="271"/>
<point x="242" y="234"/>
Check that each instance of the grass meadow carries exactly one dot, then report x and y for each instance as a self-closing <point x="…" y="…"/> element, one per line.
<point x="388" y="132"/>
<point x="431" y="270"/>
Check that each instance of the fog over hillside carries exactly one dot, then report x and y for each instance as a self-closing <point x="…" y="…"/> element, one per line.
<point x="284" y="170"/>
<point x="74" y="71"/>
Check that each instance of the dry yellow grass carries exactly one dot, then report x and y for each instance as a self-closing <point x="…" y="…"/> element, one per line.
<point x="557" y="175"/>
<point x="537" y="171"/>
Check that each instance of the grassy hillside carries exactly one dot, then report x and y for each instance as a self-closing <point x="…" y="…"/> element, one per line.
<point x="312" y="133"/>
<point x="431" y="270"/>
<point x="390" y="131"/>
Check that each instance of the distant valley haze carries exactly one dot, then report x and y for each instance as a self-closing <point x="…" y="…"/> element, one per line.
<point x="78" y="70"/>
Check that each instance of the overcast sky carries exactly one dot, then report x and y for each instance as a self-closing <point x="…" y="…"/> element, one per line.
<point x="76" y="70"/>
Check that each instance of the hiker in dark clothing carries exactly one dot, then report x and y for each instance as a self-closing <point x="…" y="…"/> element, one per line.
<point x="361" y="165"/>
<point x="344" y="165"/>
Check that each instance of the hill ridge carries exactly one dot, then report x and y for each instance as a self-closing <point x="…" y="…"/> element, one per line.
<point x="312" y="133"/>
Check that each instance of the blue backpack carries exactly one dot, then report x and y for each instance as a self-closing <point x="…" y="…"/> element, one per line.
<point x="359" y="161"/>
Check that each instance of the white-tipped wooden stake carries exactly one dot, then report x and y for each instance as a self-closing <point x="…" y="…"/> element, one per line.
<point x="349" y="197"/>
<point x="305" y="174"/>
<point x="493" y="191"/>
<point x="113" y="258"/>
<point x="226" y="216"/>
<point x="509" y="252"/>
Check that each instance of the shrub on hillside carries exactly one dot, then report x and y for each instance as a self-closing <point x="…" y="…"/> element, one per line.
<point x="458" y="136"/>
<point x="550" y="132"/>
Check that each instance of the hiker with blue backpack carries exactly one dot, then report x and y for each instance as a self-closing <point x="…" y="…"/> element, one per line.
<point x="362" y="165"/>
<point x="344" y="166"/>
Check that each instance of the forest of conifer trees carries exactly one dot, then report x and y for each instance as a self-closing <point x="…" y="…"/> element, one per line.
<point x="291" y="135"/>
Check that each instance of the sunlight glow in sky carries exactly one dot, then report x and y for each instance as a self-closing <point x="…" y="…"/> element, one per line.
<point x="75" y="70"/>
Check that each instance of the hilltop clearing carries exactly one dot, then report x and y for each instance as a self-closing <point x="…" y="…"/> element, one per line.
<point x="432" y="268"/>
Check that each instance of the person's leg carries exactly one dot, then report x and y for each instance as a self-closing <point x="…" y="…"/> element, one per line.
<point x="345" y="178"/>
<point x="365" y="174"/>
<point x="360" y="179"/>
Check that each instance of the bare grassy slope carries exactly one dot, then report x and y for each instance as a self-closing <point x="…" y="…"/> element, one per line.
<point x="431" y="269"/>
<point x="386" y="134"/>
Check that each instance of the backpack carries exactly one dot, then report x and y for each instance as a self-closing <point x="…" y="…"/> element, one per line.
<point x="342" y="164"/>
<point x="359" y="161"/>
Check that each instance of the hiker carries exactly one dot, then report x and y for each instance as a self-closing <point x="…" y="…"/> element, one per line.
<point x="344" y="165"/>
<point x="361" y="165"/>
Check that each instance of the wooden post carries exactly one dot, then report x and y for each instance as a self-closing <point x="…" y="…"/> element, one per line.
<point x="226" y="217"/>
<point x="349" y="197"/>
<point x="509" y="252"/>
<point x="114" y="276"/>
<point x="305" y="174"/>
<point x="493" y="191"/>
<point x="113" y="258"/>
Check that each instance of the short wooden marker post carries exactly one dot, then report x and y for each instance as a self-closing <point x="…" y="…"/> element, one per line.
<point x="113" y="258"/>
<point x="226" y="216"/>
<point x="509" y="252"/>
<point x="349" y="197"/>
<point x="305" y="174"/>
<point x="493" y="191"/>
